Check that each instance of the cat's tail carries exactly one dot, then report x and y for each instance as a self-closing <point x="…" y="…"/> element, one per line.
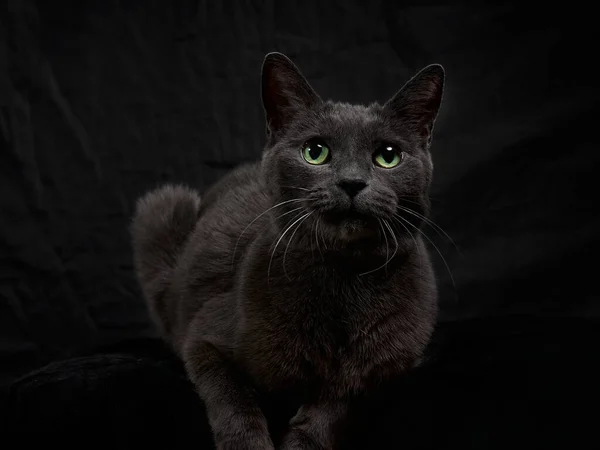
<point x="163" y="220"/>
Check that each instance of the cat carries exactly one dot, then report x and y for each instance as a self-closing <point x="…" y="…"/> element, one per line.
<point x="302" y="275"/>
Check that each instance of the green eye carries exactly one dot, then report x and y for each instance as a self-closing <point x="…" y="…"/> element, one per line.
<point x="315" y="152"/>
<point x="388" y="157"/>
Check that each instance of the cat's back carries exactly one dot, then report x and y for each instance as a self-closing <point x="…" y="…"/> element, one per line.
<point x="208" y="265"/>
<point x="228" y="208"/>
<point x="243" y="182"/>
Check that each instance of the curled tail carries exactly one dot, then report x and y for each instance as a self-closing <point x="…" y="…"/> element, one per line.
<point x="163" y="220"/>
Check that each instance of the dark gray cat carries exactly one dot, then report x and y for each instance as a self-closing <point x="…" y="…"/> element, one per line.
<point x="302" y="276"/>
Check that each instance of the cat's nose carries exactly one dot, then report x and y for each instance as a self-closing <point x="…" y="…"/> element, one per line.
<point x="352" y="186"/>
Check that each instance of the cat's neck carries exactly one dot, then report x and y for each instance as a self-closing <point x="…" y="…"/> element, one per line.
<point x="297" y="257"/>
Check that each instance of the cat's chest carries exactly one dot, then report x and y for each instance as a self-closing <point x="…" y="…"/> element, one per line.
<point x="319" y="334"/>
<point x="319" y="325"/>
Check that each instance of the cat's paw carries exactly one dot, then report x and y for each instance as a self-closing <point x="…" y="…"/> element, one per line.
<point x="298" y="439"/>
<point x="245" y="441"/>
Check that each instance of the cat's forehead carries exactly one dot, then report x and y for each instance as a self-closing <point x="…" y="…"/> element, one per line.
<point x="348" y="121"/>
<point x="351" y="116"/>
<point x="342" y="122"/>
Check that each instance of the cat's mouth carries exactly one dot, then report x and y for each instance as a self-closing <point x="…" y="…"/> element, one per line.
<point x="351" y="225"/>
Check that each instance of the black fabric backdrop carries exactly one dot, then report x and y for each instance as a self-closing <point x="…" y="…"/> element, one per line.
<point x="100" y="101"/>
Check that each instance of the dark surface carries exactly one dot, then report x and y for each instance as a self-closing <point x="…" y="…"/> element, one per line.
<point x="100" y="101"/>
<point x="498" y="399"/>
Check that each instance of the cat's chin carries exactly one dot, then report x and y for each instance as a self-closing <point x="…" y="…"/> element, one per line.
<point x="352" y="227"/>
<point x="351" y="231"/>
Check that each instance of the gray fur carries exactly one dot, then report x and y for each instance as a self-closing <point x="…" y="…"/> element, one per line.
<point x="325" y="328"/>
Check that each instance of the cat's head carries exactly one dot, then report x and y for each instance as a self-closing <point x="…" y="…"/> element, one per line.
<point x="356" y="173"/>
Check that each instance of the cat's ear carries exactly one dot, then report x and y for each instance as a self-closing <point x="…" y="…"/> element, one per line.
<point x="285" y="91"/>
<point x="416" y="105"/>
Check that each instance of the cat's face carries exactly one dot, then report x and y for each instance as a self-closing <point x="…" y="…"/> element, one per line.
<point x="348" y="173"/>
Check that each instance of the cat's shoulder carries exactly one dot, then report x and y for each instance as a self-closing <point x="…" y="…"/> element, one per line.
<point x="244" y="176"/>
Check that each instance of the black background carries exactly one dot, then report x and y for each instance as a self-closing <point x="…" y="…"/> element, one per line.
<point x="101" y="101"/>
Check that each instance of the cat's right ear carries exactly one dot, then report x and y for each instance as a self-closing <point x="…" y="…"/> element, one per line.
<point x="285" y="91"/>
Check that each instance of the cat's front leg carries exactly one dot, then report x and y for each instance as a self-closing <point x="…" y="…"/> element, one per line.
<point x="314" y="426"/>
<point x="235" y="417"/>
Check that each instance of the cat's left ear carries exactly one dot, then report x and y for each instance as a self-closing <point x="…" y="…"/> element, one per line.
<point x="285" y="91"/>
<point x="416" y="105"/>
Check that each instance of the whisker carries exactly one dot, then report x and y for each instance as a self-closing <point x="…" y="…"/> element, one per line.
<point x="296" y="187"/>
<point x="439" y="230"/>
<point x="395" y="240"/>
<point x="290" y="241"/>
<point x="255" y="219"/>
<point x="279" y="240"/>
<point x="394" y="236"/>
<point x="310" y="238"/>
<point x="317" y="237"/>
<point x="387" y="259"/>
<point x="410" y="234"/>
<point x="433" y="199"/>
<point x="287" y="226"/>
<point x="435" y="246"/>
<point x="289" y="212"/>
<point x="387" y="244"/>
<point x="408" y="231"/>
<point x="405" y="199"/>
<point x="322" y="238"/>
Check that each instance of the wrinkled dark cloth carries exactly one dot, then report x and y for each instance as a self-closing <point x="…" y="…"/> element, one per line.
<point x="101" y="101"/>
<point x="486" y="384"/>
